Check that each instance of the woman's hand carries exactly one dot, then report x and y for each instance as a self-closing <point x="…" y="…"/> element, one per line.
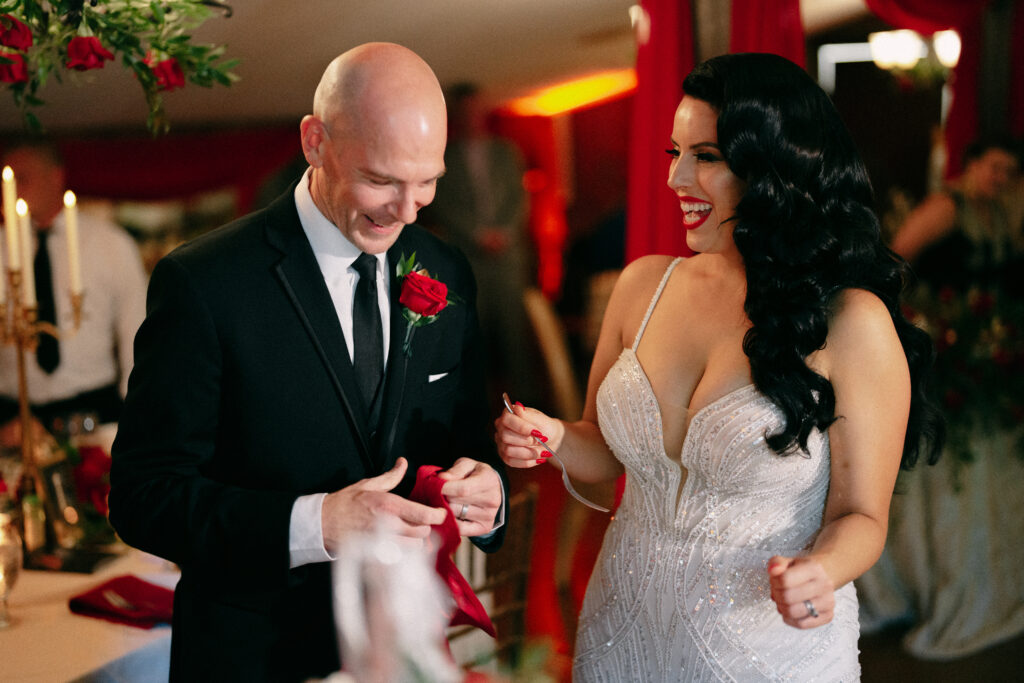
<point x="802" y="591"/>
<point x="514" y="434"/>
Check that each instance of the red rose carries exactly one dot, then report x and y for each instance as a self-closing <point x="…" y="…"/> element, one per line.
<point x="169" y="75"/>
<point x="86" y="52"/>
<point x="14" y="33"/>
<point x="92" y="477"/>
<point x="423" y="295"/>
<point x="13" y="70"/>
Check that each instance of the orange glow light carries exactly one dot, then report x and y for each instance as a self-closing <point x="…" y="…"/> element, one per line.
<point x="558" y="99"/>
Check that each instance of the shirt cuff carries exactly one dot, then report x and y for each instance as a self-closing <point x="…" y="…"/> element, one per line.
<point x="305" y="531"/>
<point x="499" y="519"/>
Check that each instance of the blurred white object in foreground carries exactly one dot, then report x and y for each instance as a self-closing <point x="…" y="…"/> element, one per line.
<point x="391" y="610"/>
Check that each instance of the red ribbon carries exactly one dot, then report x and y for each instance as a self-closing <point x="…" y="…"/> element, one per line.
<point x="468" y="610"/>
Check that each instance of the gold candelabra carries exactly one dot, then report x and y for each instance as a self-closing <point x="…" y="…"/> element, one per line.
<point x="20" y="327"/>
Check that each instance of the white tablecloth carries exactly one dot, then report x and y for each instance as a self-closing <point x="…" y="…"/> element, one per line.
<point x="47" y="643"/>
<point x="953" y="567"/>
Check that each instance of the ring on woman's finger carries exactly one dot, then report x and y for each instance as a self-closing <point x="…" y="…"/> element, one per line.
<point x="465" y="508"/>
<point x="811" y="612"/>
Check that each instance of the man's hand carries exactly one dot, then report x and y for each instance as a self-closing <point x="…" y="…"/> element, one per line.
<point x="476" y="486"/>
<point x="362" y="505"/>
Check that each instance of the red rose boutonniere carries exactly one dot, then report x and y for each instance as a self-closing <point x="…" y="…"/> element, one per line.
<point x="422" y="297"/>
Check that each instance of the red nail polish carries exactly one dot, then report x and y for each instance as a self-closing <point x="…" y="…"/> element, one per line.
<point x="520" y="404"/>
<point x="541" y="461"/>
<point x="537" y="435"/>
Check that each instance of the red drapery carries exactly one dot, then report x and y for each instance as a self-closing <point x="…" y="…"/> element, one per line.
<point x="139" y="167"/>
<point x="966" y="16"/>
<point x="927" y="16"/>
<point x="178" y="165"/>
<point x="653" y="222"/>
<point x="768" y="26"/>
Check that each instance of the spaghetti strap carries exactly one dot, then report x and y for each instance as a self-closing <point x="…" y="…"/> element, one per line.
<point x="654" y="300"/>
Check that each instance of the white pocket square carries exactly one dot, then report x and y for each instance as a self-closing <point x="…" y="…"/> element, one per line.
<point x="434" y="378"/>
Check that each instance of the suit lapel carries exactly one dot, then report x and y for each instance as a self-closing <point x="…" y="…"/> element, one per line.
<point x="402" y="369"/>
<point x="299" y="275"/>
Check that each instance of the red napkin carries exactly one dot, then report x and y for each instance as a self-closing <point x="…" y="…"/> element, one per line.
<point x="128" y="600"/>
<point x="468" y="610"/>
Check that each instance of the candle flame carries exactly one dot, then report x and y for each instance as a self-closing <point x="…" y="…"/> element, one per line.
<point x="21" y="207"/>
<point x="69" y="198"/>
<point x="8" y="173"/>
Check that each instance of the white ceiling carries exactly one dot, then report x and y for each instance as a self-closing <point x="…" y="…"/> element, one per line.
<point x="508" y="46"/>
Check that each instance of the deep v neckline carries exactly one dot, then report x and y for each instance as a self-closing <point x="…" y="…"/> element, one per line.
<point x="698" y="415"/>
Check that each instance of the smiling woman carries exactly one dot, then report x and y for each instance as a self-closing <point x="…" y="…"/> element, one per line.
<point x="749" y="506"/>
<point x="699" y="176"/>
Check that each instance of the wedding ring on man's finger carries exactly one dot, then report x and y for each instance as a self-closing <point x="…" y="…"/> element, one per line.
<point x="462" y="514"/>
<point x="811" y="612"/>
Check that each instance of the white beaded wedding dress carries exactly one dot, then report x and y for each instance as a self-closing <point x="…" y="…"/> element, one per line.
<point x="680" y="590"/>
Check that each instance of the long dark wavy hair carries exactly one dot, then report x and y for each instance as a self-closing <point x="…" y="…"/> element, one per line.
<point x="805" y="230"/>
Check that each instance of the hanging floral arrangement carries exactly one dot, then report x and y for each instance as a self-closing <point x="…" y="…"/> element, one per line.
<point x="57" y="39"/>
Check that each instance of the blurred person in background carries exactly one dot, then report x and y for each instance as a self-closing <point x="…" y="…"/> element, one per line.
<point x="963" y="235"/>
<point x="482" y="208"/>
<point x="85" y="371"/>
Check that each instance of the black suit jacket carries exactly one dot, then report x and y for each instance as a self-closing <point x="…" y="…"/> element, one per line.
<point x="242" y="398"/>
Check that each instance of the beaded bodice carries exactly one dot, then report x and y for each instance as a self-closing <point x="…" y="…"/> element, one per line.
<point x="738" y="492"/>
<point x="681" y="590"/>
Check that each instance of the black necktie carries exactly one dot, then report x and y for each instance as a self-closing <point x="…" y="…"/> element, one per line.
<point x="47" y="353"/>
<point x="367" y="335"/>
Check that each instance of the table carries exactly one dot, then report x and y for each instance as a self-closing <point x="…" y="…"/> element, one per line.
<point x="47" y="643"/>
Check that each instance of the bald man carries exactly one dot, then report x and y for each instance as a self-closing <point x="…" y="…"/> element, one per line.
<point x="251" y="442"/>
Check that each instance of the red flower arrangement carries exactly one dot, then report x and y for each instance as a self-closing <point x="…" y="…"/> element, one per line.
<point x="40" y="41"/>
<point x="979" y="347"/>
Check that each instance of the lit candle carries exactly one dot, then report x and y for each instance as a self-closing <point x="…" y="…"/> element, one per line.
<point x="11" y="219"/>
<point x="29" y="276"/>
<point x="71" y="225"/>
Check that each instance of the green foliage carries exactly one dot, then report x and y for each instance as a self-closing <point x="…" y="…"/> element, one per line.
<point x="133" y="30"/>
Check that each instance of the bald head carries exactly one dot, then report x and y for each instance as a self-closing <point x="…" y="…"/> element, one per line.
<point x="375" y="83"/>
<point x="375" y="142"/>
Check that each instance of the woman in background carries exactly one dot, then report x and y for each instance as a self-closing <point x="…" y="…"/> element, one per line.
<point x="760" y="405"/>
<point x="962" y="236"/>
